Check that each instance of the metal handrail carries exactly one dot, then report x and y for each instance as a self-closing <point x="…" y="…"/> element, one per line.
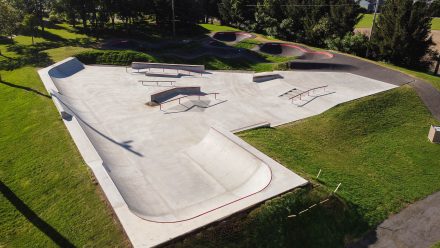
<point x="199" y="95"/>
<point x="307" y="91"/>
<point x="156" y="81"/>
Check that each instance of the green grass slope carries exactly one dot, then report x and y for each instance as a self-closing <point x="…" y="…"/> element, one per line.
<point x="377" y="147"/>
<point x="48" y="197"/>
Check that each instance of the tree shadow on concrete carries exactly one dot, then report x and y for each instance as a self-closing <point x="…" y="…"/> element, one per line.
<point x="68" y="116"/>
<point x="32" y="217"/>
<point x="23" y="88"/>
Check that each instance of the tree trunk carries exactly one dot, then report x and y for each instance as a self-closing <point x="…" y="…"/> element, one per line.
<point x="84" y="21"/>
<point x="437" y="66"/>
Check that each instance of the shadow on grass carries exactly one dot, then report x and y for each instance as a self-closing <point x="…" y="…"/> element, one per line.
<point x="332" y="223"/>
<point x="32" y="217"/>
<point x="51" y="37"/>
<point x="23" y="88"/>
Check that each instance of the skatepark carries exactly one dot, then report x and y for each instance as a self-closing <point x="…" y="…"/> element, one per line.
<point x="232" y="37"/>
<point x="171" y="167"/>
<point x="291" y="50"/>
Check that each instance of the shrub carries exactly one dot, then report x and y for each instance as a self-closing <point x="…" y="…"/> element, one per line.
<point x="281" y="67"/>
<point x="351" y="43"/>
<point x="113" y="57"/>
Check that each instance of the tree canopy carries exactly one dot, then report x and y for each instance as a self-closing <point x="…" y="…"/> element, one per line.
<point x="403" y="32"/>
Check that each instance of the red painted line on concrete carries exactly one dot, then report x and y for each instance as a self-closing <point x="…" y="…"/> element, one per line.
<point x="211" y="210"/>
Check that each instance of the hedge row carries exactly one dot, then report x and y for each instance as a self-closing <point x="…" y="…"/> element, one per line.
<point x="113" y="57"/>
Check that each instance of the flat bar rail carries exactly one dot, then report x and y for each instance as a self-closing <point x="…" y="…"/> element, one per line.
<point x="178" y="99"/>
<point x="156" y="81"/>
<point x="307" y="92"/>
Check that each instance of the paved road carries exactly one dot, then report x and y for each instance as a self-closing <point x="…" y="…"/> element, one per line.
<point x="429" y="95"/>
<point x="416" y="226"/>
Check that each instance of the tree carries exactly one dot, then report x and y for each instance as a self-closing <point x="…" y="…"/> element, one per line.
<point x="435" y="8"/>
<point x="402" y="34"/>
<point x="239" y="13"/>
<point x="9" y="19"/>
<point x="30" y="23"/>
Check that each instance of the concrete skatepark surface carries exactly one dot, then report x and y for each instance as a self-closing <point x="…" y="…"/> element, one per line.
<point x="167" y="172"/>
<point x="291" y="50"/>
<point x="345" y="63"/>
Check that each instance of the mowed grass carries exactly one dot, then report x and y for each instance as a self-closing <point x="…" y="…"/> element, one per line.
<point x="377" y="147"/>
<point x="435" y="23"/>
<point x="41" y="166"/>
<point x="218" y="28"/>
<point x="366" y="21"/>
<point x="58" y="54"/>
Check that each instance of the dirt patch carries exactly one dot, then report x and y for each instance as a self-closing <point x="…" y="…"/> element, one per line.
<point x="436" y="38"/>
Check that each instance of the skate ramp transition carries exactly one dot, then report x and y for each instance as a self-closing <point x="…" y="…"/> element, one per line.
<point x="232" y="36"/>
<point x="290" y="50"/>
<point x="218" y="170"/>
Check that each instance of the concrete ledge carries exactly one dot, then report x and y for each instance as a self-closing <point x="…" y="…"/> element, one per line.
<point x="265" y="76"/>
<point x="183" y="67"/>
<point x="164" y="95"/>
<point x="254" y="126"/>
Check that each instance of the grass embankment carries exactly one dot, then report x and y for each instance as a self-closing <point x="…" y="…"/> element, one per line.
<point x="376" y="147"/>
<point x="328" y="224"/>
<point x="48" y="195"/>
<point x="366" y="21"/>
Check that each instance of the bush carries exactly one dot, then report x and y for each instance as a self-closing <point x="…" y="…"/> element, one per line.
<point x="332" y="224"/>
<point x="282" y="67"/>
<point x="351" y="43"/>
<point x="113" y="57"/>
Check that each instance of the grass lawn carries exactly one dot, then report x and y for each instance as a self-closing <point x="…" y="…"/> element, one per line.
<point x="48" y="195"/>
<point x="377" y="147"/>
<point x="247" y="44"/>
<point x="435" y="23"/>
<point x="58" y="54"/>
<point x="218" y="28"/>
<point x="367" y="22"/>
